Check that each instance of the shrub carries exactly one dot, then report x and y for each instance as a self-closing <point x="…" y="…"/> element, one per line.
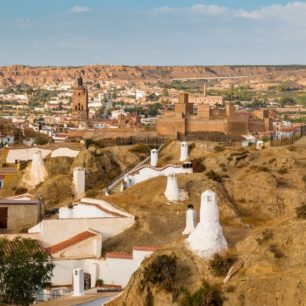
<point x="267" y="234"/>
<point x="301" y="211"/>
<point x="282" y="171"/>
<point x="219" y="149"/>
<point x="99" y="282"/>
<point x="273" y="248"/>
<point x="291" y="148"/>
<point x="91" y="193"/>
<point x="211" y="174"/>
<point x="21" y="190"/>
<point x="161" y="271"/>
<point x="207" y="295"/>
<point x="140" y="149"/>
<point x="221" y="264"/>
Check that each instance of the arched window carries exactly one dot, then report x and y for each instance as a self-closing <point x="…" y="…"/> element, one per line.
<point x="79" y="106"/>
<point x="82" y="107"/>
<point x="76" y="107"/>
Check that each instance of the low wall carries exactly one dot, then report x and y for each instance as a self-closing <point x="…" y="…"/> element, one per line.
<point x="147" y="172"/>
<point x="25" y="154"/>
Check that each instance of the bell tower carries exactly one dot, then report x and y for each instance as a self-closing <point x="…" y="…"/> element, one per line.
<point x="79" y="109"/>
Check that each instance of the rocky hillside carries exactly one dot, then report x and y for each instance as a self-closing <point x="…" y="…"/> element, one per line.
<point x="259" y="194"/>
<point x="36" y="76"/>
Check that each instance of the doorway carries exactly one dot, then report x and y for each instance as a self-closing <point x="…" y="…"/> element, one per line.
<point x="3" y="217"/>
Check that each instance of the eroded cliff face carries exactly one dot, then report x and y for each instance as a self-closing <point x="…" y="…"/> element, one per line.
<point x="37" y="76"/>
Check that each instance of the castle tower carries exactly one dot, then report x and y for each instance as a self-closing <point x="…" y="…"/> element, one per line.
<point x="154" y="157"/>
<point x="207" y="239"/>
<point x="78" y="282"/>
<point x="79" y="108"/>
<point x="79" y="181"/>
<point x="184" y="151"/>
<point x="190" y="220"/>
<point x="172" y="192"/>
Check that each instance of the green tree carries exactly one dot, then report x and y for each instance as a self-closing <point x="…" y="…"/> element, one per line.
<point x="25" y="269"/>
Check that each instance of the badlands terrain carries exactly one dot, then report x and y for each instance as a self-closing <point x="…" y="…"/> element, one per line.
<point x="259" y="76"/>
<point x="259" y="192"/>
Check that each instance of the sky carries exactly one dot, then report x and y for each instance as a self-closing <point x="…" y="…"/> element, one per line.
<point x="152" y="32"/>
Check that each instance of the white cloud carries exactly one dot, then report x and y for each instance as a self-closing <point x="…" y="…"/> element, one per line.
<point x="292" y="12"/>
<point x="80" y="9"/>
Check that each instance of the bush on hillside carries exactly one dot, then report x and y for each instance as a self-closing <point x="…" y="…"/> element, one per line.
<point x="161" y="271"/>
<point x="301" y="211"/>
<point x="211" y="174"/>
<point x="219" y="149"/>
<point x="206" y="295"/>
<point x="220" y="265"/>
<point x="141" y="148"/>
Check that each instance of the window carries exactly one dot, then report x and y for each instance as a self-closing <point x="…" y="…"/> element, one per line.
<point x="209" y="198"/>
<point x="1" y="184"/>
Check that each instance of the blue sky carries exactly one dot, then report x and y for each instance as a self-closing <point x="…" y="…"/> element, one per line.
<point x="155" y="32"/>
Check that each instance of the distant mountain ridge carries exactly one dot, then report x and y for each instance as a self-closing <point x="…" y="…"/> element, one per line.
<point x="51" y="75"/>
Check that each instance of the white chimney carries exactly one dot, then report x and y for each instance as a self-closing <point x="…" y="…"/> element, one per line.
<point x="78" y="282"/>
<point x="154" y="157"/>
<point x="184" y="151"/>
<point x="172" y="192"/>
<point x="79" y="181"/>
<point x="207" y="239"/>
<point x="190" y="220"/>
<point x="38" y="172"/>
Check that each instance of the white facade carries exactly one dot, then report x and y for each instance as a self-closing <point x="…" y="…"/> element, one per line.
<point x="172" y="192"/>
<point x="65" y="152"/>
<point x="25" y="154"/>
<point x="207" y="239"/>
<point x="184" y="151"/>
<point x="147" y="172"/>
<point x="190" y="220"/>
<point x="78" y="282"/>
<point x="114" y="269"/>
<point x="79" y="181"/>
<point x="140" y="94"/>
<point x="154" y="157"/>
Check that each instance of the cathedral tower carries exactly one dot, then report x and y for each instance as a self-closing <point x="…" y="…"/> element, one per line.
<point x="79" y="101"/>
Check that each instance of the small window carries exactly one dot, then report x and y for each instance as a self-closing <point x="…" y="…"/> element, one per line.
<point x="1" y="184"/>
<point x="209" y="198"/>
<point x="76" y="272"/>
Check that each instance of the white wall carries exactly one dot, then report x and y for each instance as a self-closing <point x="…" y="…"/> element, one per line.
<point x="115" y="271"/>
<point x="24" y="154"/>
<point x="148" y="172"/>
<point x="83" y="211"/>
<point x="56" y="230"/>
<point x="66" y="152"/>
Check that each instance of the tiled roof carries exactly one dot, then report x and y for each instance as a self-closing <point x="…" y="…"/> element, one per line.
<point x="144" y="248"/>
<point x="119" y="255"/>
<point x="69" y="242"/>
<point x="11" y="246"/>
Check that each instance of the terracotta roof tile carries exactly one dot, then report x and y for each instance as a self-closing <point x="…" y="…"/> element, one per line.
<point x="119" y="255"/>
<point x="69" y="242"/>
